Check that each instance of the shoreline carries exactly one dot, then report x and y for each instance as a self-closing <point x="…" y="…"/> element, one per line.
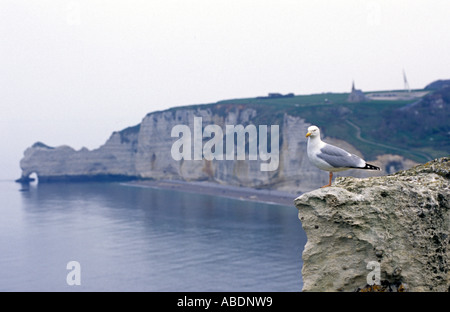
<point x="210" y="188"/>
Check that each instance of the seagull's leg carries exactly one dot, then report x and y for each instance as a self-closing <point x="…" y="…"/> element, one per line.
<point x="329" y="184"/>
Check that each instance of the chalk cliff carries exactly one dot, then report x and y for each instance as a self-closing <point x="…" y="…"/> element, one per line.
<point x="144" y="152"/>
<point x="400" y="221"/>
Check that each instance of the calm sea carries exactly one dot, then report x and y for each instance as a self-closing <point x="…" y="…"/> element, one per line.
<point x="139" y="239"/>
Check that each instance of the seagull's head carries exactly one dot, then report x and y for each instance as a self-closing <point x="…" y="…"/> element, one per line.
<point x="313" y="131"/>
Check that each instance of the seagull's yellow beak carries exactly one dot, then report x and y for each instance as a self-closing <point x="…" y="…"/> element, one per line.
<point x="308" y="134"/>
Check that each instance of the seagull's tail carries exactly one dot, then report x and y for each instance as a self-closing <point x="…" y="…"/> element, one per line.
<point x="371" y="167"/>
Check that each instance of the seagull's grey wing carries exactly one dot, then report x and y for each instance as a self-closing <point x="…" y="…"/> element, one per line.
<point x="339" y="158"/>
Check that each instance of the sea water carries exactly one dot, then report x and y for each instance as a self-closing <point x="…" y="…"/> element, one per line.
<point x="128" y="238"/>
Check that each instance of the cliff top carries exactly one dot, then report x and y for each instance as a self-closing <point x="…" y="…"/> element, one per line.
<point x="416" y="129"/>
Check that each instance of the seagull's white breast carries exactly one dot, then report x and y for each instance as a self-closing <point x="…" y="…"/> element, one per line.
<point x="313" y="148"/>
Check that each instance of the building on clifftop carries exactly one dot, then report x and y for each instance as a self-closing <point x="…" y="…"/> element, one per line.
<point x="356" y="95"/>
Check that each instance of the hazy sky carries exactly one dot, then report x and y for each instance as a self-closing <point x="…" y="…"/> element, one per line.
<point x="72" y="72"/>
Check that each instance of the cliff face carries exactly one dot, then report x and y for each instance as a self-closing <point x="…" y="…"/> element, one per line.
<point x="144" y="151"/>
<point x="394" y="228"/>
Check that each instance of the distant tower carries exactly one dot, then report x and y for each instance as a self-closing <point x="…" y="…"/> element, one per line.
<point x="356" y="95"/>
<point x="405" y="82"/>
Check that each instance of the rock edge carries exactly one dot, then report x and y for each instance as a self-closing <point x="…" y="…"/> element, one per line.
<point x="401" y="221"/>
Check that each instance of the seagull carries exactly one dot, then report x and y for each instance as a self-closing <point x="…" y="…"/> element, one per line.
<point x="332" y="158"/>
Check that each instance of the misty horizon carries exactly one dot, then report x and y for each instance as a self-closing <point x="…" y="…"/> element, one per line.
<point x="75" y="71"/>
